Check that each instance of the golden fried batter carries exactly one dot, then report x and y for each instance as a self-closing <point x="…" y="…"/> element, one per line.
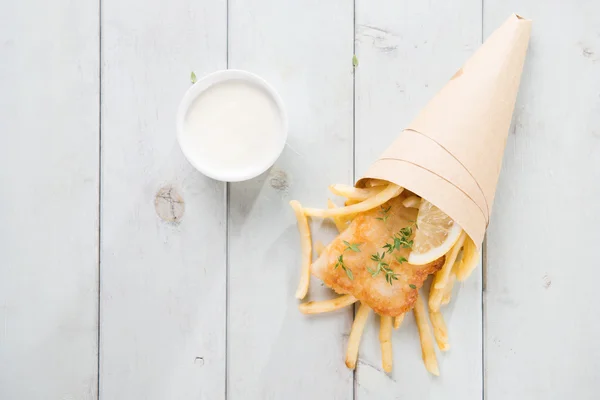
<point x="369" y="232"/>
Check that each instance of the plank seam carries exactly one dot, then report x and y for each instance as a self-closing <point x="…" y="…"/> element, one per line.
<point x="227" y="314"/>
<point x="483" y="267"/>
<point x="98" y="337"/>
<point x="354" y="377"/>
<point x="226" y="389"/>
<point x="483" y="316"/>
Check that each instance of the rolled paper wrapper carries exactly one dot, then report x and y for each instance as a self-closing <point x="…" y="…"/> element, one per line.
<point x="451" y="153"/>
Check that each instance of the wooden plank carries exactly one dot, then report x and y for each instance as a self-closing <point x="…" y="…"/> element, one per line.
<point x="304" y="49"/>
<point x="49" y="208"/>
<point x="541" y="332"/>
<point x="163" y="282"/>
<point x="407" y="51"/>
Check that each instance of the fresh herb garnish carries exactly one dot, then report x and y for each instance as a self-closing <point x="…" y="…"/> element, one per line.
<point x="400" y="240"/>
<point x="406" y="231"/>
<point x="412" y="286"/>
<point x="193" y="77"/>
<point x="401" y="259"/>
<point x="378" y="258"/>
<point x="390" y="275"/>
<point x="352" y="246"/>
<point x="349" y="273"/>
<point x="340" y="263"/>
<point x="384" y="212"/>
<point x="382" y="266"/>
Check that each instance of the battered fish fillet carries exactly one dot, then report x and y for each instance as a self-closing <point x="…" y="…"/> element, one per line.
<point x="371" y="231"/>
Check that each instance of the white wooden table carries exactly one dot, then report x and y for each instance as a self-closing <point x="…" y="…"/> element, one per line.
<point x="101" y="296"/>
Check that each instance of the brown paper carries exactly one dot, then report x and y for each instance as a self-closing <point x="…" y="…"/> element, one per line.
<point x="451" y="153"/>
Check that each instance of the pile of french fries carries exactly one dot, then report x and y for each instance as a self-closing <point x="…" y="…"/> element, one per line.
<point x="460" y="261"/>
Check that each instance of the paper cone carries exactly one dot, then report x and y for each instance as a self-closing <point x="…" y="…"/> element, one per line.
<point x="451" y="154"/>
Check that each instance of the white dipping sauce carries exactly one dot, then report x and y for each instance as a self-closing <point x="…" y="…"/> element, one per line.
<point x="233" y="126"/>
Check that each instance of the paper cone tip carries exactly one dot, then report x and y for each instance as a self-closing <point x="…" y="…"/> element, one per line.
<point x="520" y="17"/>
<point x="455" y="144"/>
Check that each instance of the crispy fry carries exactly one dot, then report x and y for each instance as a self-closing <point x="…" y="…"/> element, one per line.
<point x="385" y="339"/>
<point x="435" y="297"/>
<point x="352" y="193"/>
<point x="398" y="320"/>
<point x="411" y="202"/>
<point x="351" y="202"/>
<point x="439" y="297"/>
<point x="306" y="248"/>
<point x="339" y="222"/>
<point x="318" y="248"/>
<point x="354" y="340"/>
<point x="427" y="350"/>
<point x="317" y="307"/>
<point x="469" y="260"/>
<point x="442" y="276"/>
<point x="447" y="291"/>
<point x="392" y="190"/>
<point x="376" y="182"/>
<point x="440" y="332"/>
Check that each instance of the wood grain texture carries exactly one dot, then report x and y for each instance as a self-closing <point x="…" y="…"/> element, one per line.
<point x="163" y="225"/>
<point x="541" y="325"/>
<point x="49" y="207"/>
<point x="163" y="269"/>
<point x="407" y="51"/>
<point x="304" y="49"/>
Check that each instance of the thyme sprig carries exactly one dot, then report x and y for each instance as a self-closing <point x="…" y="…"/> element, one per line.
<point x="340" y="260"/>
<point x="400" y="240"/>
<point x="384" y="213"/>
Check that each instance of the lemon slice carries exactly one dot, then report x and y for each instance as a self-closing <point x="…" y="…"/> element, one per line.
<point x="436" y="234"/>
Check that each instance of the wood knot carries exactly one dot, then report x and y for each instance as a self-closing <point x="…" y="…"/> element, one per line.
<point x="547" y="282"/>
<point x="278" y="180"/>
<point x="169" y="204"/>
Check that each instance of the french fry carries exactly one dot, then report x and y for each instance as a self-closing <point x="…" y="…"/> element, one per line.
<point x="354" y="340"/>
<point x="469" y="260"/>
<point x="317" y="307"/>
<point x="427" y="349"/>
<point x="439" y="297"/>
<point x="398" y="320"/>
<point x="411" y="202"/>
<point x="318" y="247"/>
<point x="440" y="332"/>
<point x="338" y="221"/>
<point x="392" y="190"/>
<point x="306" y="249"/>
<point x="435" y="297"/>
<point x="352" y="193"/>
<point x="447" y="291"/>
<point x="442" y="276"/>
<point x="351" y="202"/>
<point x="376" y="182"/>
<point x="385" y="339"/>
